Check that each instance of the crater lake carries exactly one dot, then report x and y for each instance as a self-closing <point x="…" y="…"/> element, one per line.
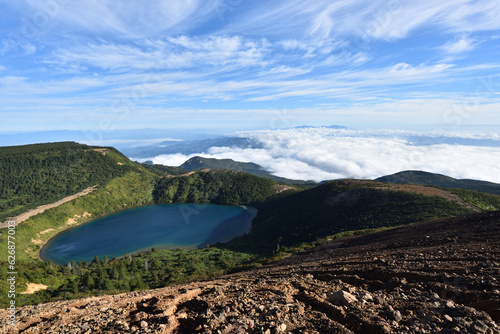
<point x="167" y="226"/>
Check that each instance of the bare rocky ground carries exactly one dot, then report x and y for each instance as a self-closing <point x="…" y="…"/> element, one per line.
<point x="434" y="277"/>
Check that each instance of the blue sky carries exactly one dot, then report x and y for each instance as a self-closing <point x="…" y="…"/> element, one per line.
<point x="242" y="65"/>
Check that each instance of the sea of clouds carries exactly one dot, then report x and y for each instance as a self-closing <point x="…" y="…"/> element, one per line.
<point x="324" y="154"/>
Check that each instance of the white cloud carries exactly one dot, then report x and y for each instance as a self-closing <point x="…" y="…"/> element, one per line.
<point x="400" y="73"/>
<point x="169" y="159"/>
<point x="367" y="19"/>
<point x="22" y="86"/>
<point x="170" y="53"/>
<point x="130" y="19"/>
<point x="462" y="45"/>
<point x="200" y="55"/>
<point x="12" y="44"/>
<point x="342" y="84"/>
<point x="469" y="16"/>
<point x="270" y="83"/>
<point x="320" y="154"/>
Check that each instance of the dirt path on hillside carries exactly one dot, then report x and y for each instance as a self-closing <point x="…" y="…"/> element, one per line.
<point x="22" y="217"/>
<point x="431" y="191"/>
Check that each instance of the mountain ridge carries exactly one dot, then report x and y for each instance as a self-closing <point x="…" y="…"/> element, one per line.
<point x="199" y="163"/>
<point x="190" y="147"/>
<point x="440" y="180"/>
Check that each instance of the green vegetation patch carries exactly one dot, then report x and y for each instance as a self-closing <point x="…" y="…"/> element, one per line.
<point x="131" y="190"/>
<point x="216" y="187"/>
<point x="438" y="180"/>
<point x="147" y="270"/>
<point x="198" y="163"/>
<point x="33" y="175"/>
<point x="162" y="170"/>
<point x="335" y="207"/>
<point x="484" y="201"/>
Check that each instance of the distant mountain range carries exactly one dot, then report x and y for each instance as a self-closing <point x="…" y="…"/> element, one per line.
<point x="404" y="177"/>
<point x="338" y="127"/>
<point x="189" y="147"/>
<point x="439" y="180"/>
<point x="202" y="145"/>
<point x="118" y="138"/>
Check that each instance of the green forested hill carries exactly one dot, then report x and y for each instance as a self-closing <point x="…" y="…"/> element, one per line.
<point x="162" y="169"/>
<point x="216" y="186"/>
<point x="198" y="163"/>
<point x="339" y="206"/>
<point x="32" y="175"/>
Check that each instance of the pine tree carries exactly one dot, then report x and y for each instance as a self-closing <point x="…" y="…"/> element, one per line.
<point x="123" y="273"/>
<point x="73" y="286"/>
<point x="114" y="273"/>
<point x="134" y="265"/>
<point x="89" y="283"/>
<point x="96" y="261"/>
<point x="108" y="285"/>
<point x="74" y="266"/>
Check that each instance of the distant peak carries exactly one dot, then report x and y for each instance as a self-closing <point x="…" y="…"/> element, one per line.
<point x="339" y="127"/>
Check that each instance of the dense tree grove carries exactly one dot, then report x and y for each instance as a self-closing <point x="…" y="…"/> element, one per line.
<point x="217" y="187"/>
<point x="33" y="175"/>
<point x="163" y="170"/>
<point x="153" y="269"/>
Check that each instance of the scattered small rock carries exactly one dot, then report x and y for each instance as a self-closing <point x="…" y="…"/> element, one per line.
<point x="343" y="298"/>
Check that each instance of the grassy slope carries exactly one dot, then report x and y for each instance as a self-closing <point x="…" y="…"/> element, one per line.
<point x="338" y="206"/>
<point x="122" y="184"/>
<point x="132" y="189"/>
<point x="163" y="170"/>
<point x="33" y="175"/>
<point x="484" y="201"/>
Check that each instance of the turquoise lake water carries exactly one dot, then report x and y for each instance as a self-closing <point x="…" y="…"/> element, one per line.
<point x="167" y="226"/>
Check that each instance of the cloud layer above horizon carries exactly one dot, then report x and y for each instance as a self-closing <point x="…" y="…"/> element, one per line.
<point x="324" y="154"/>
<point x="233" y="64"/>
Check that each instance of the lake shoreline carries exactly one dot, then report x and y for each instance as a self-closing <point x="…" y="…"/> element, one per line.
<point x="151" y="225"/>
<point x="94" y="218"/>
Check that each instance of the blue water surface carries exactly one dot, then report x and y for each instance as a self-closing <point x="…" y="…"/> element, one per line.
<point x="167" y="226"/>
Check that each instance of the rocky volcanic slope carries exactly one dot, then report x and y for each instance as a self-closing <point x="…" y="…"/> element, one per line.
<point x="434" y="277"/>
